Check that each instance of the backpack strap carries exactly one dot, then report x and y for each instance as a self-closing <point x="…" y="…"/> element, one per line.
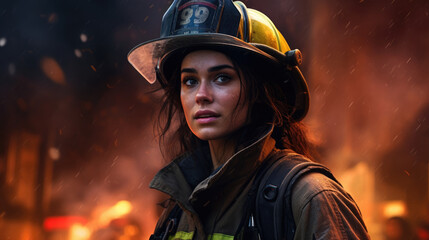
<point x="248" y="228"/>
<point x="273" y="200"/>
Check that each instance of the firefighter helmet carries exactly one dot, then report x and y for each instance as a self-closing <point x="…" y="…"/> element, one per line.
<point x="221" y="25"/>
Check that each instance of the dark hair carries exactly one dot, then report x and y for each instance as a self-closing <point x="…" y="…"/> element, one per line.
<point x="263" y="92"/>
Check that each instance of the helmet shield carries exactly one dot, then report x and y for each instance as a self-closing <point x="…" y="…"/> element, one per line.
<point x="148" y="57"/>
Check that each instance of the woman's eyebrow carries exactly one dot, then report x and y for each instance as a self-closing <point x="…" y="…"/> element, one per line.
<point x="220" y="67"/>
<point x="211" y="69"/>
<point x="188" y="70"/>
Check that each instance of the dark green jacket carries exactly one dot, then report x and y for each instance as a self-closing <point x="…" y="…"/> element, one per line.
<point x="213" y="202"/>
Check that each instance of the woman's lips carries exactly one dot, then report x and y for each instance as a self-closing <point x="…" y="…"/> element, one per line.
<point x="206" y="120"/>
<point x="205" y="116"/>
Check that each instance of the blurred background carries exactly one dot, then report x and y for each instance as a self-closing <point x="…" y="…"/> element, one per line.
<point x="77" y="145"/>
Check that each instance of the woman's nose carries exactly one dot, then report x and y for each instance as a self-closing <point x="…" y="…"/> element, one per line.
<point x="204" y="93"/>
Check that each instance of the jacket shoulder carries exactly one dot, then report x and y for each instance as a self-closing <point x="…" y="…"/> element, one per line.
<point x="322" y="209"/>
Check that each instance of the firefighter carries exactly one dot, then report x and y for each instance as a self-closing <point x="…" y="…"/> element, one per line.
<point x="234" y="98"/>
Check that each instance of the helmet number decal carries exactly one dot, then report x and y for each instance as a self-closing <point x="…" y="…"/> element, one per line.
<point x="199" y="15"/>
<point x="196" y="16"/>
<point x="186" y="16"/>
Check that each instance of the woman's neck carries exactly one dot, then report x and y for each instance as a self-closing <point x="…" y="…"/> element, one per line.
<point x="221" y="151"/>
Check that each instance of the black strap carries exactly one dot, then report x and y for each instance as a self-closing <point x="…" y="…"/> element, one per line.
<point x="269" y="190"/>
<point x="244" y="230"/>
<point x="272" y="201"/>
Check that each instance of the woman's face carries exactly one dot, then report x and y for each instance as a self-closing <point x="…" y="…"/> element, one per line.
<point x="211" y="95"/>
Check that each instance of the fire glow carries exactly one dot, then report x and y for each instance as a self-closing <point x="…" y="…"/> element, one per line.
<point x="63" y="222"/>
<point x="119" y="210"/>
<point x="80" y="228"/>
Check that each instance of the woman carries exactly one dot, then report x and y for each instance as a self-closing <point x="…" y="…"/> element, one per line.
<point x="233" y="84"/>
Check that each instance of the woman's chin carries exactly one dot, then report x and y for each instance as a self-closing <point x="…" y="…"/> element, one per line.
<point x="208" y="134"/>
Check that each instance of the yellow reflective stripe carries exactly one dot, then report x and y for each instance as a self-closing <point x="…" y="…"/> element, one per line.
<point x="189" y="235"/>
<point x="220" y="236"/>
<point x="182" y="236"/>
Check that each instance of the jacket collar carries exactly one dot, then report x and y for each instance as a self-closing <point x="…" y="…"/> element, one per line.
<point x="190" y="179"/>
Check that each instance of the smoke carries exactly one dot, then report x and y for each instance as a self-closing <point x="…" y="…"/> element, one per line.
<point x="366" y="73"/>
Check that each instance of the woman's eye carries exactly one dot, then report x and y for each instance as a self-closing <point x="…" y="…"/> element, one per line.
<point x="189" y="81"/>
<point x="222" y="78"/>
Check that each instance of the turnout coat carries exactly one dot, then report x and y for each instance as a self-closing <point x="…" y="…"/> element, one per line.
<point x="214" y="201"/>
